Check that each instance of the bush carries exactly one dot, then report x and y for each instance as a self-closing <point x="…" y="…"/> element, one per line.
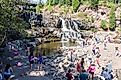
<point x="110" y="4"/>
<point x="103" y="25"/>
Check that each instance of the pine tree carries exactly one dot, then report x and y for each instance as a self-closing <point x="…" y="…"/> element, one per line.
<point x="112" y="19"/>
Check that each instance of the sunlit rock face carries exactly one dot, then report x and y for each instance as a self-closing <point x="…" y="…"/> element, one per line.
<point x="37" y="1"/>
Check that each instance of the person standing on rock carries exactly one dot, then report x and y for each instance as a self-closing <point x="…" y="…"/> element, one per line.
<point x="78" y="66"/>
<point x="93" y="49"/>
<point x="82" y="63"/>
<point x="105" y="44"/>
<point x="97" y="61"/>
<point x="109" y="66"/>
<point x="71" y="56"/>
<point x="97" y="51"/>
<point x="31" y="60"/>
<point x="40" y="61"/>
<point x="92" y="70"/>
<point x="83" y="75"/>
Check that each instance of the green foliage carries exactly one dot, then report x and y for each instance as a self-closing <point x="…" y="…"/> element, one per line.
<point x="55" y="2"/>
<point x="50" y="8"/>
<point x="112" y="19"/>
<point x="61" y="2"/>
<point x="39" y="7"/>
<point x="9" y="19"/>
<point x="68" y="2"/>
<point x="75" y="4"/>
<point x="103" y="25"/>
<point x="94" y="3"/>
<point x="110" y="4"/>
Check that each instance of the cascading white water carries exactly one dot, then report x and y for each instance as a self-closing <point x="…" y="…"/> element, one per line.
<point x="69" y="33"/>
<point x="76" y="26"/>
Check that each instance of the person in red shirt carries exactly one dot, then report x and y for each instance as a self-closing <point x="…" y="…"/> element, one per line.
<point x="78" y="66"/>
<point x="69" y="75"/>
<point x="92" y="70"/>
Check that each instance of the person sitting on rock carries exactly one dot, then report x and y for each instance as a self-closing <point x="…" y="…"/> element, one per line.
<point x="8" y="72"/>
<point x="107" y="75"/>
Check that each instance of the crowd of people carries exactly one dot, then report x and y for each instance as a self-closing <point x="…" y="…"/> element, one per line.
<point x="89" y="73"/>
<point x="86" y="67"/>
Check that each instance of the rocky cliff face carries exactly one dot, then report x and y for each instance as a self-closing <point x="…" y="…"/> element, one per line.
<point x="85" y="15"/>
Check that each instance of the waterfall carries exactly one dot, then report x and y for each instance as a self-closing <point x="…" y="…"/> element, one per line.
<point x="64" y="28"/>
<point x="76" y="26"/>
<point x="69" y="31"/>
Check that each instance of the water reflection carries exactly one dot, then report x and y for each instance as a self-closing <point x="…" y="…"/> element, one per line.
<point x="51" y="47"/>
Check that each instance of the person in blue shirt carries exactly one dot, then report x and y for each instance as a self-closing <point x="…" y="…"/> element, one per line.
<point x="40" y="61"/>
<point x="8" y="72"/>
<point x="107" y="75"/>
<point x="83" y="75"/>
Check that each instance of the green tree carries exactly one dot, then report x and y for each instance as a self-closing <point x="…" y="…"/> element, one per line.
<point x="10" y="21"/>
<point x="75" y="5"/>
<point x="103" y="25"/>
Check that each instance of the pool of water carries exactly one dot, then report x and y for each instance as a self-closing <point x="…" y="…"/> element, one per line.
<point x="51" y="47"/>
